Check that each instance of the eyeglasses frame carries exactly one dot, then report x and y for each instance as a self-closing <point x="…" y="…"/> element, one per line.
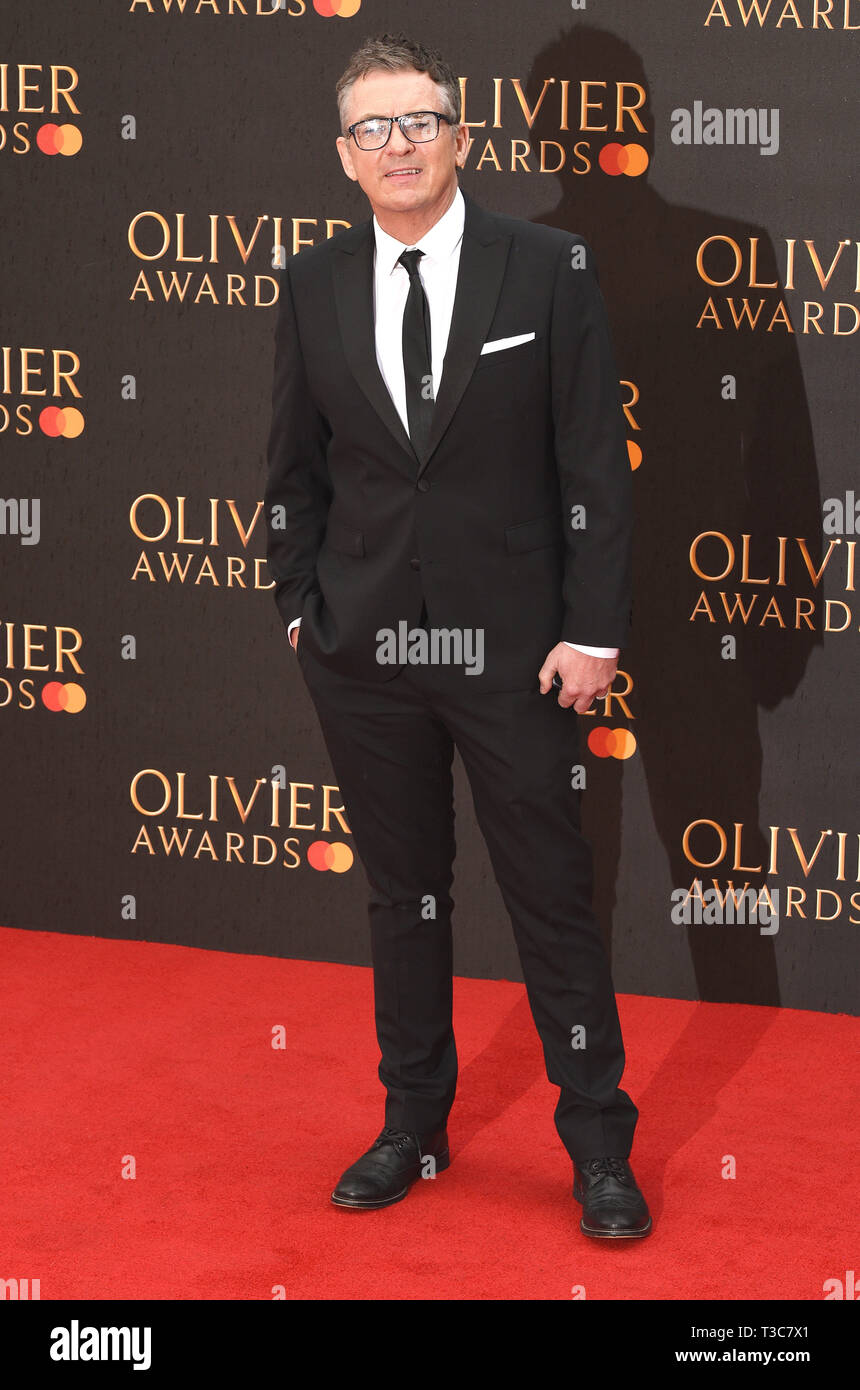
<point x="440" y="116"/>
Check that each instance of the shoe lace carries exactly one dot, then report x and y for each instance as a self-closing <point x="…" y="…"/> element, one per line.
<point x="400" y="1138"/>
<point x="609" y="1167"/>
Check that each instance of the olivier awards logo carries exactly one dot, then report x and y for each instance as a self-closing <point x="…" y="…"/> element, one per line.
<point x="35" y="385"/>
<point x="207" y="260"/>
<point x="748" y="588"/>
<point x="30" y="92"/>
<point x="584" y="114"/>
<point x="260" y="9"/>
<point x="792" y="853"/>
<point x="613" y="740"/>
<point x="630" y="398"/>
<point x="741" y="302"/>
<point x="784" y="16"/>
<point x="187" y="544"/>
<point x="211" y="818"/>
<point x="38" y="663"/>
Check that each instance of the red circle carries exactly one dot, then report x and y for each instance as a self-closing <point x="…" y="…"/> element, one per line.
<point x="320" y="855"/>
<point x="54" y="696"/>
<point x="601" y="741"/>
<point x="610" y="159"/>
<point x="47" y="139"/>
<point x="51" y="421"/>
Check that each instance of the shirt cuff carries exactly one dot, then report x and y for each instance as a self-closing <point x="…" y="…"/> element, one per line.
<point x="594" y="651"/>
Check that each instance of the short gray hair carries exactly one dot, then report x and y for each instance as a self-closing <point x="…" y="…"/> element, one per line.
<point x="398" y="53"/>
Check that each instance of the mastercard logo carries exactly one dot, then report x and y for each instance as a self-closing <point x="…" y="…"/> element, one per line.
<point x="344" y="8"/>
<point x="337" y="857"/>
<point x="611" y="743"/>
<point x="631" y="160"/>
<point x="59" y="139"/>
<point x="69" y="697"/>
<point x="56" y="422"/>
<point x="634" y="453"/>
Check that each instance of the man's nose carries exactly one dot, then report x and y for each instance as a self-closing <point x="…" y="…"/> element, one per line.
<point x="398" y="141"/>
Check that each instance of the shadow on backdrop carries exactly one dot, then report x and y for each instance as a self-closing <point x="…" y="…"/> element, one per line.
<point x="736" y="467"/>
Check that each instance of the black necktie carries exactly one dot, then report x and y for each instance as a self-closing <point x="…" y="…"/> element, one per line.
<point x="416" y="356"/>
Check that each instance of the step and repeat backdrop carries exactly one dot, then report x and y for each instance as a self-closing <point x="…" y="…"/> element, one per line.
<point x="163" y="775"/>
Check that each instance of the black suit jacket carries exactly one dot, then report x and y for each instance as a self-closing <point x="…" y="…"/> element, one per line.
<point x="361" y="530"/>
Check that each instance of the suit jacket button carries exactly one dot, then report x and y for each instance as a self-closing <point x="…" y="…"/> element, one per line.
<point x="423" y="485"/>
<point x="415" y="563"/>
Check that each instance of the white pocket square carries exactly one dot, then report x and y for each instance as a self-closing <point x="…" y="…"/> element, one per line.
<point x="496" y="344"/>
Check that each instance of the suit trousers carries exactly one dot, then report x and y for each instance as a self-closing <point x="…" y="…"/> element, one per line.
<point x="391" y="745"/>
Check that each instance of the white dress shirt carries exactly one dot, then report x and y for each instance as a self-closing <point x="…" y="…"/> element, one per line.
<point x="438" y="270"/>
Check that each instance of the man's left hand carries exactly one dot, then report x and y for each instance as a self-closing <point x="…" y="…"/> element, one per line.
<point x="585" y="678"/>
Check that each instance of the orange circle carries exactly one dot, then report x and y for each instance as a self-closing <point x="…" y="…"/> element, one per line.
<point x="636" y="160"/>
<point x="54" y="696"/>
<point x="73" y="422"/>
<point x="625" y="744"/>
<point x="69" y="139"/>
<point x="634" y="453"/>
<point x="341" y="857"/>
<point x="326" y="7"/>
<point x="76" y="697"/>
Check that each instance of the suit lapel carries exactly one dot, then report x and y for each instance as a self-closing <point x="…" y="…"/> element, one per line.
<point x="483" y="255"/>
<point x="353" y="288"/>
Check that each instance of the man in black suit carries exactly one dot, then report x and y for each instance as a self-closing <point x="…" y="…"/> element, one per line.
<point x="449" y="517"/>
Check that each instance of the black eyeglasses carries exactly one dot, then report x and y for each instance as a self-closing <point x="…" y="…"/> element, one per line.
<point x="418" y="127"/>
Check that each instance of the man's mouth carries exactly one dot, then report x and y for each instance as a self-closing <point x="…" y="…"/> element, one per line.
<point x="408" y="171"/>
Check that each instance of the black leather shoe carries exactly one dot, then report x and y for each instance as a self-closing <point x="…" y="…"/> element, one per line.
<point x="612" y="1205"/>
<point x="391" y="1165"/>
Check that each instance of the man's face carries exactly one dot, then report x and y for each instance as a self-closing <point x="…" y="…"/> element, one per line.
<point x="402" y="177"/>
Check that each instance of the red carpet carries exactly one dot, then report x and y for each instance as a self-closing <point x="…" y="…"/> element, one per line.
<point x="115" y="1048"/>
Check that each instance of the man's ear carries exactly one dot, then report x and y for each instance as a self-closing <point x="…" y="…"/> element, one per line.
<point x="346" y="158"/>
<point x="461" y="145"/>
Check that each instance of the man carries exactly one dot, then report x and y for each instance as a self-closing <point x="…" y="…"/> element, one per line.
<point x="449" y="519"/>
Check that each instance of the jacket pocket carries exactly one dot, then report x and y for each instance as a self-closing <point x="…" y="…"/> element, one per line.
<point x="532" y="535"/>
<point x="344" y="539"/>
<point x="519" y="356"/>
